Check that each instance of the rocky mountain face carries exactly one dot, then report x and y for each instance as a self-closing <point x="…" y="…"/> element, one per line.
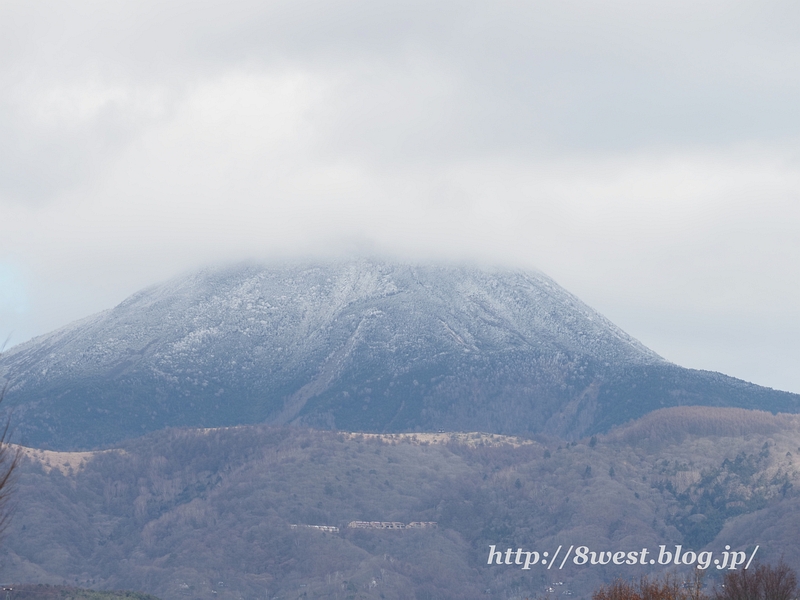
<point x="359" y="346"/>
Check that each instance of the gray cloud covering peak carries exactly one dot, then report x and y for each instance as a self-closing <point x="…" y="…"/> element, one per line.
<point x="643" y="154"/>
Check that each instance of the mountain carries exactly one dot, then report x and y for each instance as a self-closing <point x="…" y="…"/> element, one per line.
<point x="209" y="514"/>
<point x="361" y="346"/>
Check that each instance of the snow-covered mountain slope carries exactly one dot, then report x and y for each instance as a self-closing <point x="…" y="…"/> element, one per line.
<point x="358" y="345"/>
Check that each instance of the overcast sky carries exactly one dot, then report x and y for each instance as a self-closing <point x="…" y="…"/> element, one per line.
<point x="646" y="155"/>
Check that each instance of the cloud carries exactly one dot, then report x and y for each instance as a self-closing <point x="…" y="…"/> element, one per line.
<point x="646" y="155"/>
<point x="404" y="81"/>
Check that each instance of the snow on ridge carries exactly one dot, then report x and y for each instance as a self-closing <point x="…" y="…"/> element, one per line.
<point x="276" y="312"/>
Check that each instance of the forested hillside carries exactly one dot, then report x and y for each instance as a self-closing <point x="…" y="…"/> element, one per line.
<point x="209" y="513"/>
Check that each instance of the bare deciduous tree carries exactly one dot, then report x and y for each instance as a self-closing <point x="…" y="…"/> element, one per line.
<point x="762" y="583"/>
<point x="667" y="588"/>
<point x="780" y="583"/>
<point x="9" y="458"/>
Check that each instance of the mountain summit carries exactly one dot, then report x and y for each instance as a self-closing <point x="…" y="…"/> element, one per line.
<point x="363" y="345"/>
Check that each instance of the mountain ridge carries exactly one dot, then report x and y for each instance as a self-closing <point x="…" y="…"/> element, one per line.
<point x="357" y="345"/>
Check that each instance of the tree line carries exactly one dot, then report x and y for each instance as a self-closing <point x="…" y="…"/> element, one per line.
<point x="764" y="582"/>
